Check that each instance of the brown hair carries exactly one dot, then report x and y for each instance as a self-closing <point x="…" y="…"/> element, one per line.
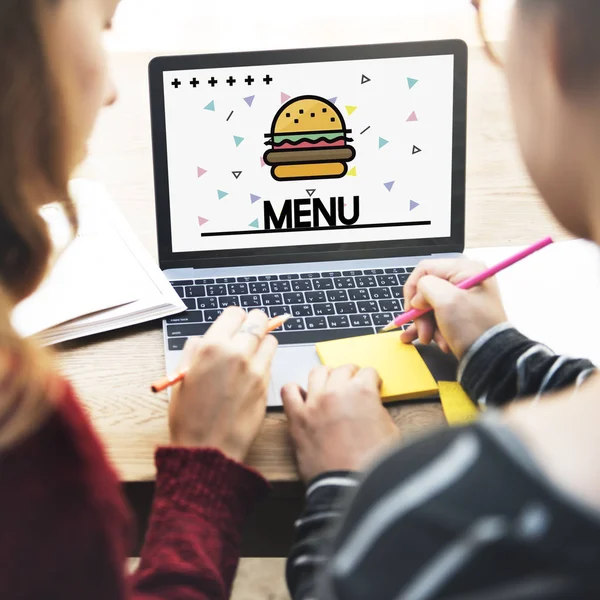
<point x="578" y="23"/>
<point x="33" y="171"/>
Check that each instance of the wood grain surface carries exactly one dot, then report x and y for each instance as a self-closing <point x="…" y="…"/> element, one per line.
<point x="112" y="372"/>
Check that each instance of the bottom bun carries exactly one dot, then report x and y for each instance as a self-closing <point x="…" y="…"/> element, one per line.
<point x="310" y="171"/>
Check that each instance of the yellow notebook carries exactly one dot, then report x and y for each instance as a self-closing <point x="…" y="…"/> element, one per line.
<point x="458" y="408"/>
<point x="404" y="373"/>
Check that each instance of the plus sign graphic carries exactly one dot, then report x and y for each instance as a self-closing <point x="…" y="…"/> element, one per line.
<point x="176" y="83"/>
<point x="231" y="81"/>
<point x="268" y="79"/>
<point x="194" y="82"/>
<point x="212" y="82"/>
<point x="249" y="80"/>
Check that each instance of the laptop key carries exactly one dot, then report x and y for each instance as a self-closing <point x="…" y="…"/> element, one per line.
<point x="410" y="269"/>
<point x="190" y="316"/>
<point x="277" y="311"/>
<point x="366" y="281"/>
<point x="216" y="290"/>
<point x="245" y="279"/>
<point x="392" y="305"/>
<point x="303" y="285"/>
<point x="180" y="292"/>
<point x="324" y="309"/>
<point x="294" y="298"/>
<point x="367" y="307"/>
<point x="268" y="277"/>
<point x="294" y="325"/>
<point x="272" y="299"/>
<point x="190" y="303"/>
<point x="204" y="281"/>
<point x="331" y="274"/>
<point x="373" y="271"/>
<point x="360" y="321"/>
<point x="310" y="275"/>
<point x="402" y="279"/>
<point x="226" y="280"/>
<point x="187" y="330"/>
<point x="396" y="270"/>
<point x="183" y="282"/>
<point x="204" y="303"/>
<point x="225" y="301"/>
<point x="247" y="301"/>
<point x="316" y="323"/>
<point x="382" y="319"/>
<point x="344" y="283"/>
<point x="314" y="297"/>
<point x="314" y="336"/>
<point x="193" y="291"/>
<point x="323" y="284"/>
<point x="360" y="294"/>
<point x="398" y="292"/>
<point x="302" y="310"/>
<point x="338" y="321"/>
<point x="380" y="293"/>
<point x="387" y="280"/>
<point x="236" y="289"/>
<point x="262" y="287"/>
<point x="353" y="273"/>
<point x="280" y="286"/>
<point x="177" y="343"/>
<point x="289" y="276"/>
<point x="337" y="296"/>
<point x="212" y="315"/>
<point x="346" y="308"/>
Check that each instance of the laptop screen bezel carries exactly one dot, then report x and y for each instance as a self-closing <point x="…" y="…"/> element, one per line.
<point x="318" y="252"/>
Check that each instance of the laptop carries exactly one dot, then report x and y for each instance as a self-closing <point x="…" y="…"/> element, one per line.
<point x="308" y="182"/>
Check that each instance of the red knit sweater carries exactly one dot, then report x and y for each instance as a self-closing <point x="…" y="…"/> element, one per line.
<point x="65" y="529"/>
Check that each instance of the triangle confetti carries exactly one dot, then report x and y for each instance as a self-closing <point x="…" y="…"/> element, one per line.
<point x="310" y="193"/>
<point x="389" y="185"/>
<point x="352" y="172"/>
<point x="364" y="79"/>
<point x="254" y="224"/>
<point x="202" y="221"/>
<point x="210" y="106"/>
<point x="249" y="100"/>
<point x="351" y="109"/>
<point x="382" y="143"/>
<point x="238" y="140"/>
<point x="222" y="194"/>
<point x="411" y="82"/>
<point x="284" y="97"/>
<point x="416" y="150"/>
<point x="201" y="171"/>
<point x="333" y="100"/>
<point x="262" y="161"/>
<point x="254" y="198"/>
<point x="412" y="117"/>
<point x="413" y="205"/>
<point x="236" y="174"/>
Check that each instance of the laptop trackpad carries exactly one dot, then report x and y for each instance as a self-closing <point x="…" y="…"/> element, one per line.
<point x="291" y="364"/>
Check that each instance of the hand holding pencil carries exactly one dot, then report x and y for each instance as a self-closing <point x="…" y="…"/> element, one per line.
<point x="222" y="400"/>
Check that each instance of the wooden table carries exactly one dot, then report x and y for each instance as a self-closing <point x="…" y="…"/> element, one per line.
<point x="112" y="372"/>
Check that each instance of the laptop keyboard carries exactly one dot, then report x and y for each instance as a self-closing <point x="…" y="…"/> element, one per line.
<point x="324" y="305"/>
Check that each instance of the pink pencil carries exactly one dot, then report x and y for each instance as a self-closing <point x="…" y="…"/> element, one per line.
<point x="413" y="314"/>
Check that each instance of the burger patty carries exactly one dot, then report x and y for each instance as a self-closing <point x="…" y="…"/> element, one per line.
<point x="315" y="155"/>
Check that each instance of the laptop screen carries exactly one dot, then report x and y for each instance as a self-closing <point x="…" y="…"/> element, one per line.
<point x="309" y="153"/>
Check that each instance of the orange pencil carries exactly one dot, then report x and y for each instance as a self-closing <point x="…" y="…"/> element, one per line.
<point x="168" y="381"/>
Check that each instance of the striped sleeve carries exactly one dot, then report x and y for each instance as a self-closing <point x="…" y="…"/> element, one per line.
<point x="504" y="365"/>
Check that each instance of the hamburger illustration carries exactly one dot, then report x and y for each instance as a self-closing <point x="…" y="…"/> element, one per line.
<point x="308" y="140"/>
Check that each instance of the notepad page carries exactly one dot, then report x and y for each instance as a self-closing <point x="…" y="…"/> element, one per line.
<point x="404" y="373"/>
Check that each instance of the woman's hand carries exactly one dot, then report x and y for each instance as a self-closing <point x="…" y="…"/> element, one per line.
<point x="339" y="424"/>
<point x="221" y="402"/>
<point x="460" y="317"/>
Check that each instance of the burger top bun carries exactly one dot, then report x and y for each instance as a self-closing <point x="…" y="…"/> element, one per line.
<point x="308" y="114"/>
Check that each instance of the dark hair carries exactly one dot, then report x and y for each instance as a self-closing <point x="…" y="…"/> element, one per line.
<point x="578" y="23"/>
